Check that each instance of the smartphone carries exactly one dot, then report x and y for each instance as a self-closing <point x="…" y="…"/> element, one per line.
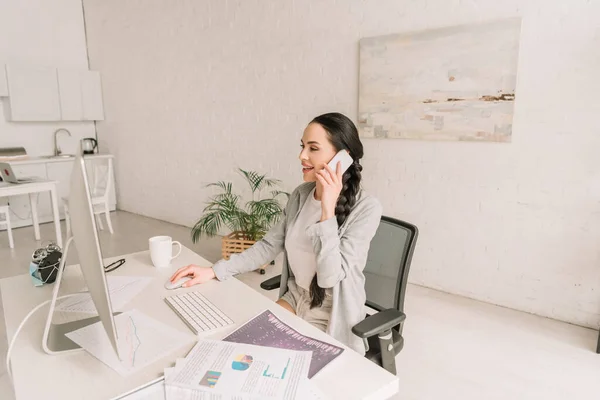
<point x="342" y="156"/>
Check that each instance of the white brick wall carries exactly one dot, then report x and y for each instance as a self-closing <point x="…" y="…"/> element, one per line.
<point x="194" y="89"/>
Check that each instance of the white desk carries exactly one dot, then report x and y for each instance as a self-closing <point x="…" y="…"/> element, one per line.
<point x="33" y="189"/>
<point x="79" y="375"/>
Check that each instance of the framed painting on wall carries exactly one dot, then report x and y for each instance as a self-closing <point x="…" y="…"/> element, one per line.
<point x="453" y="83"/>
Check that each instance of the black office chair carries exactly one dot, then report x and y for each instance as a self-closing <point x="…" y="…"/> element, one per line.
<point x="386" y="273"/>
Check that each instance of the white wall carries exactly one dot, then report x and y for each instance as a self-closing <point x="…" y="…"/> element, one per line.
<point x="194" y="89"/>
<point x="47" y="33"/>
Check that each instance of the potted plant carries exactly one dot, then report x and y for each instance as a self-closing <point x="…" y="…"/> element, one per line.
<point x="248" y="223"/>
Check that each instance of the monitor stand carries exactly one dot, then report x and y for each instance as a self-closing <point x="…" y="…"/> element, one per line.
<point x="54" y="340"/>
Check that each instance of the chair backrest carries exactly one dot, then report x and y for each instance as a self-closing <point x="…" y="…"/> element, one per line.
<point x="388" y="263"/>
<point x="101" y="179"/>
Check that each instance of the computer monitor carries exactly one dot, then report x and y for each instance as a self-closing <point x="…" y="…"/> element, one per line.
<point x="85" y="237"/>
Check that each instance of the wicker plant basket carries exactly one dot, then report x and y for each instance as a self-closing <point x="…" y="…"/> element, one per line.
<point x="236" y="242"/>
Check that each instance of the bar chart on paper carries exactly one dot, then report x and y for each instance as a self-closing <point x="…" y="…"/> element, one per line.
<point x="272" y="372"/>
<point x="141" y="341"/>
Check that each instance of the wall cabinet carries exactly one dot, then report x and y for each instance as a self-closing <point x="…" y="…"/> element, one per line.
<point x="33" y="94"/>
<point x="50" y="94"/>
<point x="80" y="95"/>
<point x="91" y="96"/>
<point x="69" y="87"/>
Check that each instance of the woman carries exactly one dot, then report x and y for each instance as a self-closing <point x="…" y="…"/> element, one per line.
<point x="325" y="233"/>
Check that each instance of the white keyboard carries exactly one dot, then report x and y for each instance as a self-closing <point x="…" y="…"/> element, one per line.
<point x="197" y="312"/>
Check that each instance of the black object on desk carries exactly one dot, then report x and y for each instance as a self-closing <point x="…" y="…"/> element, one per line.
<point x="48" y="267"/>
<point x="114" y="265"/>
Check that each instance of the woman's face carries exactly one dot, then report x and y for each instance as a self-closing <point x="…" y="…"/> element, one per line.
<point x="317" y="151"/>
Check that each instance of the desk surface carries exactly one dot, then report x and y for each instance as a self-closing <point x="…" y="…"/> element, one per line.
<point x="79" y="375"/>
<point x="29" y="187"/>
<point x="52" y="160"/>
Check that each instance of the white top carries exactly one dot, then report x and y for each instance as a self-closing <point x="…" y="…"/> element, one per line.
<point x="299" y="246"/>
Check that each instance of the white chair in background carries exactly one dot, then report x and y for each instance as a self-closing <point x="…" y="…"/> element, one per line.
<point x="5" y="210"/>
<point x="102" y="178"/>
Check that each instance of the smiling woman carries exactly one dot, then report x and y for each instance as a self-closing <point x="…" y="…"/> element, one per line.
<point x="323" y="138"/>
<point x="325" y="235"/>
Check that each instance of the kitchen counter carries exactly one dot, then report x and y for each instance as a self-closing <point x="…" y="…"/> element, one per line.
<point x="45" y="160"/>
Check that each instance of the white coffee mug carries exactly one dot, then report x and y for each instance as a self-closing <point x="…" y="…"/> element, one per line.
<point x="161" y="250"/>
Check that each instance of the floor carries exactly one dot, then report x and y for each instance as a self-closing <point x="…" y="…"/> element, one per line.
<point x="455" y="348"/>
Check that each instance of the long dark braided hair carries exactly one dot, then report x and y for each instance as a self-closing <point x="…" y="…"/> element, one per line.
<point x="343" y="135"/>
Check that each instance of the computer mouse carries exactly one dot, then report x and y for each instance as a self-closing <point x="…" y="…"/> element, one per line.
<point x="177" y="284"/>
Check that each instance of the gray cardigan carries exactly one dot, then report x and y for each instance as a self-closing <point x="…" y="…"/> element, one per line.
<point x="341" y="258"/>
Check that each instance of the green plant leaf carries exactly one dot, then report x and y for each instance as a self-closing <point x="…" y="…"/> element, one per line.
<point x="226" y="202"/>
<point x="256" y="181"/>
<point x="240" y="220"/>
<point x="267" y="211"/>
<point x="227" y="206"/>
<point x="226" y="186"/>
<point x="208" y="225"/>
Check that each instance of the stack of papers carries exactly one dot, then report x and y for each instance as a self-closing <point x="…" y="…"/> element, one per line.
<point x="219" y="370"/>
<point x="267" y="330"/>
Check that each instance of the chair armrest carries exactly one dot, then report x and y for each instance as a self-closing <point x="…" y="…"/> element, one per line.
<point x="378" y="323"/>
<point x="271" y="283"/>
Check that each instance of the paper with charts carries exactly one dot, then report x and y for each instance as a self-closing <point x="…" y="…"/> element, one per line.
<point x="268" y="330"/>
<point x="121" y="289"/>
<point x="158" y="391"/>
<point x="309" y="392"/>
<point x="141" y="341"/>
<point x="219" y="370"/>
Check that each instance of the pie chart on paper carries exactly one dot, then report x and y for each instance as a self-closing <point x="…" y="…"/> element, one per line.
<point x="241" y="362"/>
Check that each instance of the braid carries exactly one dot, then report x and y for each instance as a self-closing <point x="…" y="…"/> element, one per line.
<point x="346" y="200"/>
